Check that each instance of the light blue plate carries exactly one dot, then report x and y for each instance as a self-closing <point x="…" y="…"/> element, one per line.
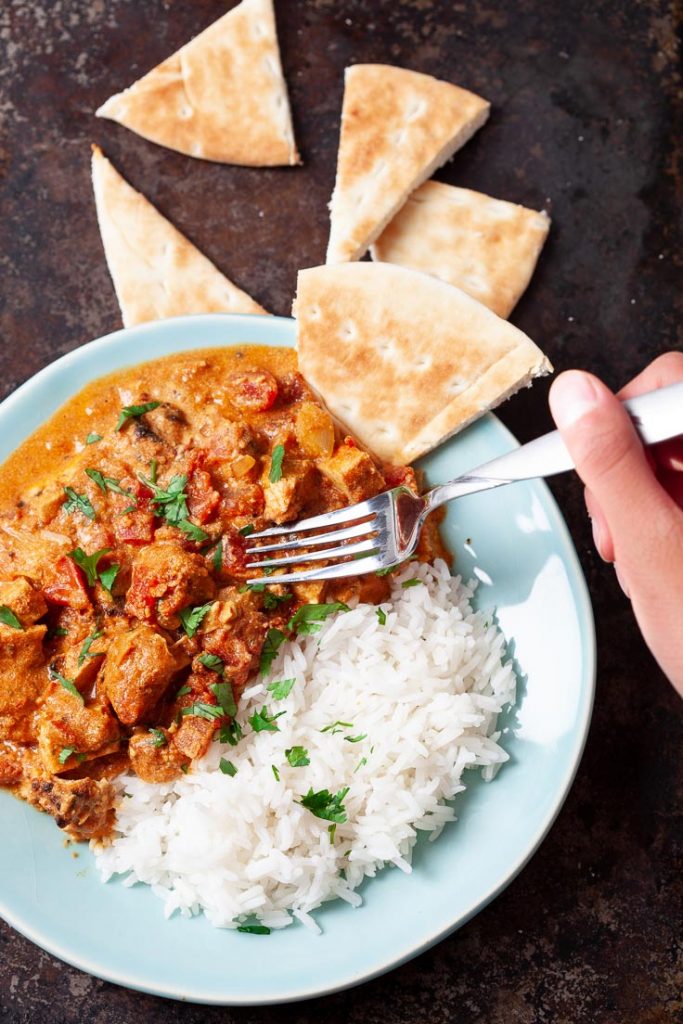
<point x="516" y="542"/>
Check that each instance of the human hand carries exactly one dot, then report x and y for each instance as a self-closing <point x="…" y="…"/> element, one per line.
<point x="634" y="497"/>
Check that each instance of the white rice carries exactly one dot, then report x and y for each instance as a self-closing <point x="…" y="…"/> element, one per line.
<point x="424" y="690"/>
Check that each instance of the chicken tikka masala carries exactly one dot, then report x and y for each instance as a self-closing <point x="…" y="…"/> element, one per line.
<point x="127" y="629"/>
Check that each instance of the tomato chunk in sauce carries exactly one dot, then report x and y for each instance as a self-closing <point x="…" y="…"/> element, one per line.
<point x="127" y="631"/>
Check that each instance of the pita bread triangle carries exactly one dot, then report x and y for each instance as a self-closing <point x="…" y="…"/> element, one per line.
<point x="487" y="247"/>
<point x="397" y="127"/>
<point x="156" y="271"/>
<point x="221" y="97"/>
<point x="402" y="359"/>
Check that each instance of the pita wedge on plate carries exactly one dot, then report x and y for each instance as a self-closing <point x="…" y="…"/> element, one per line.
<point x="221" y="97"/>
<point x="402" y="359"/>
<point x="156" y="271"/>
<point x="397" y="127"/>
<point x="485" y="246"/>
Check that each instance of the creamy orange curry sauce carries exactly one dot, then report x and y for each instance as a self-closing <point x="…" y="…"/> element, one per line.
<point x="127" y="631"/>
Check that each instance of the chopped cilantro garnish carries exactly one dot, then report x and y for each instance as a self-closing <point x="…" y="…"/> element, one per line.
<point x="131" y="412"/>
<point x="253" y="929"/>
<point x="8" y="618"/>
<point x="59" y="631"/>
<point x="276" y="463"/>
<point x="183" y="690"/>
<point x="337" y="726"/>
<point x="108" y="575"/>
<point x="78" y="503"/>
<point x="153" y="468"/>
<point x="67" y="752"/>
<point x="225" y="697"/>
<point x="191" y="618"/>
<point x="193" y="531"/>
<point x="227" y="767"/>
<point x="274" y="640"/>
<point x="158" y="737"/>
<point x="87" y="644"/>
<point x="381" y="616"/>
<point x="184" y="768"/>
<point x="297" y="757"/>
<point x="386" y="570"/>
<point x="326" y="806"/>
<point x="332" y="829"/>
<point x="93" y="438"/>
<point x="356" y="739"/>
<point x="360" y="764"/>
<point x="414" y="582"/>
<point x="309" y="617"/>
<point x="171" y="501"/>
<point x="281" y="689"/>
<point x="231" y="733"/>
<point x="246" y="530"/>
<point x="68" y="684"/>
<point x="199" y="710"/>
<point x="275" y="773"/>
<point x="88" y="563"/>
<point x="271" y="600"/>
<point x="263" y="721"/>
<point x="217" y="557"/>
<point x="212" y="662"/>
<point x="105" y="483"/>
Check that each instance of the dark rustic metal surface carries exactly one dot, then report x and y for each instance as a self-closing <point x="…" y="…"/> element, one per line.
<point x="586" y="111"/>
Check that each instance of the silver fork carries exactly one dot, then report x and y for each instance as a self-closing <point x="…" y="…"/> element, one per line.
<point x="384" y="530"/>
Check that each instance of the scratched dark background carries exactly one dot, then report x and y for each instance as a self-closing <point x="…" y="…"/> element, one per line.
<point x="587" y="122"/>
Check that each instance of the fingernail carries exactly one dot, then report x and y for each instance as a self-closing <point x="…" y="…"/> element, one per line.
<point x="622" y="581"/>
<point x="572" y="395"/>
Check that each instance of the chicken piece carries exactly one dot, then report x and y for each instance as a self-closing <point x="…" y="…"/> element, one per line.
<point x="27" y="603"/>
<point x="230" y="605"/>
<point x="27" y="552"/>
<point x="84" y="808"/>
<point x="353" y="472"/>
<point x="65" y="723"/>
<point x="310" y="593"/>
<point x="75" y="657"/>
<point x="46" y="501"/>
<point x="234" y="629"/>
<point x="193" y="737"/>
<point x="314" y="430"/>
<point x="23" y="678"/>
<point x="285" y="498"/>
<point x="369" y="589"/>
<point x="169" y="423"/>
<point x="153" y="761"/>
<point x="138" y="669"/>
<point x="226" y="441"/>
<point x="165" y="579"/>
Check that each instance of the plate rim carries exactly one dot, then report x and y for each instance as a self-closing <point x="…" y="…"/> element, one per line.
<point x="583" y="606"/>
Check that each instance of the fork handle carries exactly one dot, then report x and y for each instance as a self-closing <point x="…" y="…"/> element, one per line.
<point x="657" y="416"/>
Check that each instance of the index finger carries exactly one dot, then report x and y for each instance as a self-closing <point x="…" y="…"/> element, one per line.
<point x="666" y="369"/>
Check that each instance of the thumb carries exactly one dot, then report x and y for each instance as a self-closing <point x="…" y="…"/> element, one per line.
<point x="643" y="520"/>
